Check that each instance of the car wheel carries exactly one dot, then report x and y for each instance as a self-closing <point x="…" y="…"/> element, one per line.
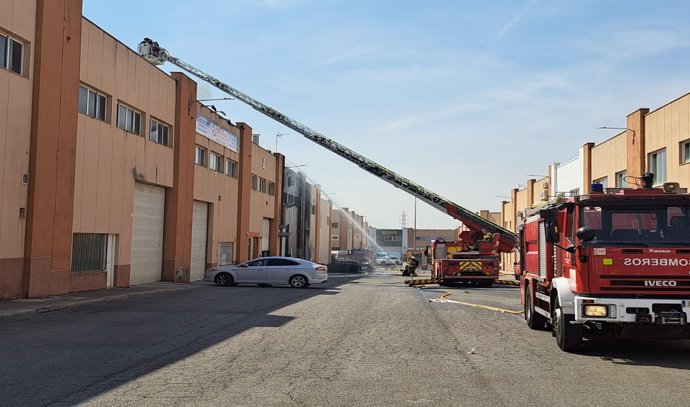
<point x="223" y="279"/>
<point x="298" y="281"/>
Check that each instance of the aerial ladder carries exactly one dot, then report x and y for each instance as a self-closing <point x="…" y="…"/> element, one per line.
<point x="506" y="240"/>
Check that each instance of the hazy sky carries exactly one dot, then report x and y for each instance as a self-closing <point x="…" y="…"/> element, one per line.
<point x="467" y="98"/>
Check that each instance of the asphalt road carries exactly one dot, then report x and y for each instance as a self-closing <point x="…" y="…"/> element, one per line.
<point x="359" y="341"/>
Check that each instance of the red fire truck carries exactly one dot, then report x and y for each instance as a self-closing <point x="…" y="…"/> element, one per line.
<point x="473" y="258"/>
<point x="612" y="262"/>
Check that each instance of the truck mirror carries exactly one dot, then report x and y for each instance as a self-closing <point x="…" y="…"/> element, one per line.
<point x="426" y="252"/>
<point x="586" y="233"/>
<point x="552" y="234"/>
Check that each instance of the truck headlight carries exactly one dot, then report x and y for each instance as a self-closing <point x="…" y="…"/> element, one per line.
<point x="596" y="310"/>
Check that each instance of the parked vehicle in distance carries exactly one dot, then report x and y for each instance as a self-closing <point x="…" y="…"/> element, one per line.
<point x="344" y="266"/>
<point x="274" y="270"/>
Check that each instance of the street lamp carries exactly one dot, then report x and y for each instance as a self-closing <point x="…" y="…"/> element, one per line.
<point x="279" y="135"/>
<point x="619" y="128"/>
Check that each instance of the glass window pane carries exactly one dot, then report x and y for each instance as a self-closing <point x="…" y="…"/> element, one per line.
<point x="136" y="125"/>
<point x="92" y="104"/>
<point x="15" y="54"/>
<point x="128" y="120"/>
<point x="154" y="131"/>
<point x="100" y="107"/>
<point x="3" y="51"/>
<point x="83" y="99"/>
<point x="121" y="117"/>
<point x="164" y="131"/>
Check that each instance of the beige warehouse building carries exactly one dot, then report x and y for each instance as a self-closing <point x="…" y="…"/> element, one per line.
<point x="112" y="172"/>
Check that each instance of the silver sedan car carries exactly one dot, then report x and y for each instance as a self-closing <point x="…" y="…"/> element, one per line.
<point x="275" y="270"/>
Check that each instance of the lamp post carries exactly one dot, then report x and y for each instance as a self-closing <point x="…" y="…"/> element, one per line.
<point x="279" y="135"/>
<point x="619" y="128"/>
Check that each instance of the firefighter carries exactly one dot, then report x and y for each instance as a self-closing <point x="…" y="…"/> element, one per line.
<point x="410" y="269"/>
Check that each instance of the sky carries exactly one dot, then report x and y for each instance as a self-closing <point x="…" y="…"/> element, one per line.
<point x="469" y="99"/>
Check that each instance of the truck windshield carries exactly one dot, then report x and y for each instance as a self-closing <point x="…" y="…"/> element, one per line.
<point x="637" y="226"/>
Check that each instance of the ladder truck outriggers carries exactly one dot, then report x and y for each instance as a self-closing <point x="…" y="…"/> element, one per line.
<point x="614" y="261"/>
<point x="455" y="264"/>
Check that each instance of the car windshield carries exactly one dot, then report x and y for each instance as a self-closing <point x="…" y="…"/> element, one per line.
<point x="637" y="226"/>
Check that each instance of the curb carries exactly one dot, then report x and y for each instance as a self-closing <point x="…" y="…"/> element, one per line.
<point x="73" y="303"/>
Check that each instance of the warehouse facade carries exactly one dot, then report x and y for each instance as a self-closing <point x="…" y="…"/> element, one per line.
<point x="112" y="172"/>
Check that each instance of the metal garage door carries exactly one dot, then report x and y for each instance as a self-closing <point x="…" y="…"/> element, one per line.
<point x="199" y="234"/>
<point x="147" y="234"/>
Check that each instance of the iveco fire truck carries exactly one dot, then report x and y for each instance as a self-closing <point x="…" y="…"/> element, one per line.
<point x="448" y="264"/>
<point x="615" y="261"/>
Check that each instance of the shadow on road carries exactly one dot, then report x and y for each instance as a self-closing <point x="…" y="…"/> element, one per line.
<point x="68" y="357"/>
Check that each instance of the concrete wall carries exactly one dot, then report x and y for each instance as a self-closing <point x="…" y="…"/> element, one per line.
<point x="665" y="128"/>
<point x="106" y="152"/>
<point x="18" y="20"/>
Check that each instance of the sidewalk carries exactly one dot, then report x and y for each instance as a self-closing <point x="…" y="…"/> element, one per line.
<point x="32" y="306"/>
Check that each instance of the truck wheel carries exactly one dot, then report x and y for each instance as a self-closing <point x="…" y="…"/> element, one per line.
<point x="568" y="336"/>
<point x="534" y="320"/>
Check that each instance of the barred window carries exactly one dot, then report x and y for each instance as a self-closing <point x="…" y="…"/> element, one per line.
<point x="225" y="251"/>
<point x="89" y="252"/>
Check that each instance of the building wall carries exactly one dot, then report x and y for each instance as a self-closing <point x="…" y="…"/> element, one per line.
<point x="608" y="158"/>
<point x="106" y="152"/>
<point x="667" y="127"/>
<point x="18" y="20"/>
<point x="324" y="231"/>
<point x="569" y="176"/>
<point x="218" y="189"/>
<point x="262" y="204"/>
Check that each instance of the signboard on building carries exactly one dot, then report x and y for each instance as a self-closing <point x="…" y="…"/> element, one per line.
<point x="207" y="128"/>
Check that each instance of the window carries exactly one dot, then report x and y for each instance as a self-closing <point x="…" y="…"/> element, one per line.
<point x="620" y="179"/>
<point x="335" y="225"/>
<point x="128" y="119"/>
<point x="255" y="182"/>
<point x="11" y="54"/>
<point x="271" y="188"/>
<point x="657" y="165"/>
<point x="200" y="156"/>
<point x="225" y="250"/>
<point x="160" y="133"/>
<point x="335" y="237"/>
<point x="262" y="185"/>
<point x="89" y="252"/>
<point x="685" y="152"/>
<point x="92" y="103"/>
<point x="216" y="162"/>
<point x="231" y="168"/>
<point x="603" y="181"/>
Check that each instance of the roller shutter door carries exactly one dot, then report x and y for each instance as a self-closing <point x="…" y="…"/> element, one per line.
<point x="199" y="236"/>
<point x="147" y="234"/>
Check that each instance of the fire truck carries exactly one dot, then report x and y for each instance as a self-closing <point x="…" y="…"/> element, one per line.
<point x="473" y="258"/>
<point x="614" y="262"/>
<point x="504" y="241"/>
